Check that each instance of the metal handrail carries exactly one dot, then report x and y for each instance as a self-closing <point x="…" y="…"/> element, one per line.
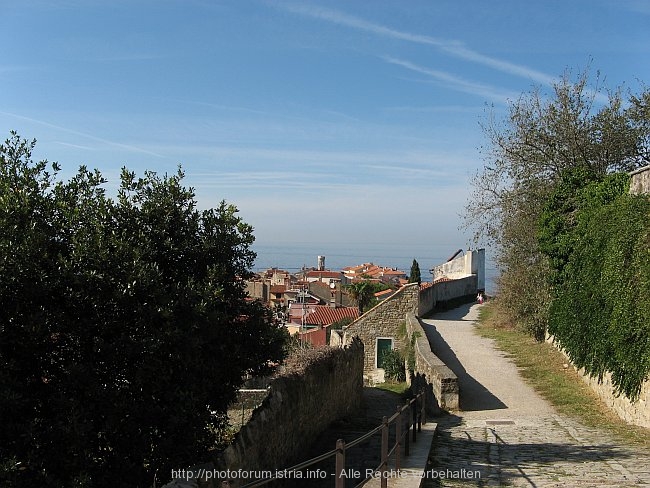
<point x="342" y="446"/>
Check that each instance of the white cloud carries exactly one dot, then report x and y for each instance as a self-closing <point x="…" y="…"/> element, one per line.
<point x="451" y="47"/>
<point x="127" y="147"/>
<point x="456" y="82"/>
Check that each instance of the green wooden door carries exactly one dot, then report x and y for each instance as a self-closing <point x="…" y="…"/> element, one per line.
<point x="383" y="346"/>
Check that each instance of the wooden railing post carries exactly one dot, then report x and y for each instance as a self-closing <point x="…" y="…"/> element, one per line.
<point x="340" y="464"/>
<point x="414" y="410"/>
<point x="424" y="410"/>
<point x="407" y="449"/>
<point x="384" y="452"/>
<point x="398" y="438"/>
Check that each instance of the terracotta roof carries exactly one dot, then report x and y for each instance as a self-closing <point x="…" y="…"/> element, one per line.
<point x="440" y="280"/>
<point x="358" y="269"/>
<point x="391" y="271"/>
<point x="327" y="315"/>
<point x="325" y="274"/>
<point x="384" y="292"/>
<point x="278" y="289"/>
<point x="429" y="284"/>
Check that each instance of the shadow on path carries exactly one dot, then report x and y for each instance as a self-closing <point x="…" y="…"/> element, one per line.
<point x="473" y="395"/>
<point x="457" y="314"/>
<point x="508" y="463"/>
<point x="367" y="455"/>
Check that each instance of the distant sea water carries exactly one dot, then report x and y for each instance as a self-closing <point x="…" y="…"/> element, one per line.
<point x="294" y="256"/>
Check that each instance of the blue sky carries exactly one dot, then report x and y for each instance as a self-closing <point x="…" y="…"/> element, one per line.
<point x="325" y="123"/>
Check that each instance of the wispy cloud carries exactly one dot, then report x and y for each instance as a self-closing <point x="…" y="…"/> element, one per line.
<point x="75" y="146"/>
<point x="127" y="147"/>
<point x="402" y="171"/>
<point x="456" y="82"/>
<point x="450" y="47"/>
<point x="435" y="109"/>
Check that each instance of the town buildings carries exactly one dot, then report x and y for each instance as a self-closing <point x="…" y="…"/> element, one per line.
<point x="309" y="301"/>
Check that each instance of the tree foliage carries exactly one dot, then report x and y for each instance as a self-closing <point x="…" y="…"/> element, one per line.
<point x="363" y="293"/>
<point x="124" y="326"/>
<point x="574" y="127"/>
<point x="415" y="276"/>
<point x="597" y="238"/>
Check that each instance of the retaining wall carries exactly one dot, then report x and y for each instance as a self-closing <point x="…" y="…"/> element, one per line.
<point x="300" y="405"/>
<point x="440" y="382"/>
<point x="431" y="294"/>
<point x="635" y="413"/>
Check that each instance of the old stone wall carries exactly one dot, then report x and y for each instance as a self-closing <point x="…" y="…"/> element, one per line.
<point x="444" y="291"/>
<point x="385" y="320"/>
<point x="635" y="413"/>
<point x="457" y="267"/>
<point x="300" y="405"/>
<point x="440" y="382"/>
<point x="640" y="181"/>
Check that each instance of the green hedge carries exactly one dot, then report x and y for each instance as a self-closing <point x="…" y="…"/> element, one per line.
<point x="600" y="313"/>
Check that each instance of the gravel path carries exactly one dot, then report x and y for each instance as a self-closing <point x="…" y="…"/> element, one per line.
<point x="506" y="433"/>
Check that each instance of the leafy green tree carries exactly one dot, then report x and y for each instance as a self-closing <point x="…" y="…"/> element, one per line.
<point x="415" y="276"/>
<point x="363" y="293"/>
<point x="542" y="136"/>
<point x="125" y="328"/>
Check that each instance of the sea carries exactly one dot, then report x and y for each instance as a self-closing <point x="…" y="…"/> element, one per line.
<point x="293" y="257"/>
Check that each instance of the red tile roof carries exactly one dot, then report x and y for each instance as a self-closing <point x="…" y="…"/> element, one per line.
<point x="390" y="271"/>
<point x="384" y="292"/>
<point x="429" y="284"/>
<point x="324" y="274"/>
<point x="278" y="289"/>
<point x="327" y="315"/>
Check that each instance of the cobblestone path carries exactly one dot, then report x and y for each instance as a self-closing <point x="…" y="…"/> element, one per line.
<point x="506" y="434"/>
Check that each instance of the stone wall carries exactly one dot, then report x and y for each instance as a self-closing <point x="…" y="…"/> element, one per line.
<point x="440" y="382"/>
<point x="455" y="268"/>
<point x="640" y="182"/>
<point x="300" y="405"/>
<point x="384" y="320"/>
<point x="635" y="413"/>
<point x="432" y="294"/>
<point x="472" y="262"/>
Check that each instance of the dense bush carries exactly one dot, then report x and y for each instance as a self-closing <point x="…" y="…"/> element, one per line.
<point x="393" y="363"/>
<point x="598" y="239"/>
<point x="124" y="325"/>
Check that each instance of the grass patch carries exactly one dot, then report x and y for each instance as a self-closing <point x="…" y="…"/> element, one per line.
<point x="401" y="388"/>
<point x="543" y="367"/>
